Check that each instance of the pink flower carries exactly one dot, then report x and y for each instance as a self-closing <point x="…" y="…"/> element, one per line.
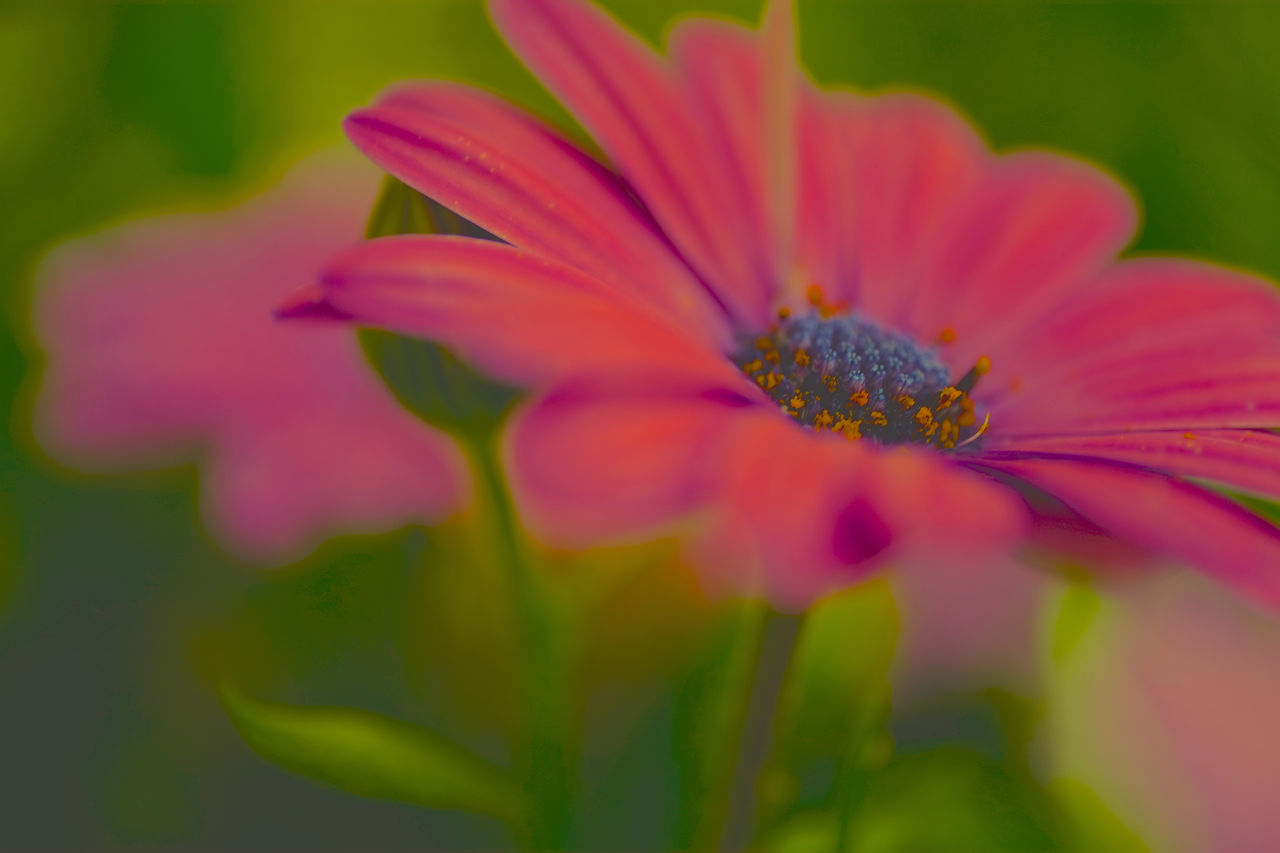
<point x="161" y="347"/>
<point x="963" y="352"/>
<point x="1166" y="708"/>
<point x="968" y="627"/>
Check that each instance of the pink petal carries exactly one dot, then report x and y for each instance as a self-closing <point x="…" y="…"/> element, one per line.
<point x="1166" y="517"/>
<point x="1148" y="331"/>
<point x="721" y="65"/>
<point x="518" y="315"/>
<point x="1144" y="304"/>
<point x="520" y="180"/>
<point x="830" y="126"/>
<point x="1193" y="389"/>
<point x="778" y="511"/>
<point x="595" y="461"/>
<point x="791" y="517"/>
<point x="1167" y="709"/>
<point x="634" y="106"/>
<point x="885" y="175"/>
<point x="267" y="490"/>
<point x="1033" y="230"/>
<point x="801" y="514"/>
<point x="1242" y="459"/>
<point x="161" y="347"/>
<point x="967" y="624"/>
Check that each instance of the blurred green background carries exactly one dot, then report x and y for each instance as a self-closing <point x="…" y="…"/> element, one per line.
<point x="115" y="609"/>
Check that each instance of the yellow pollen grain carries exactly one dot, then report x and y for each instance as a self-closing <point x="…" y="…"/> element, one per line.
<point x="784" y="312"/>
<point x="851" y="429"/>
<point x="752" y="367"/>
<point x="906" y="401"/>
<point x="932" y="430"/>
<point x="831" y="382"/>
<point x="879" y="419"/>
<point x="802" y="358"/>
<point x="764" y="342"/>
<point x="924" y="417"/>
<point x="947" y="396"/>
<point x="966" y="419"/>
<point x="947" y="335"/>
<point x="797" y="402"/>
<point x="823" y="420"/>
<point x="860" y="398"/>
<point x="771" y="356"/>
<point x="771" y="380"/>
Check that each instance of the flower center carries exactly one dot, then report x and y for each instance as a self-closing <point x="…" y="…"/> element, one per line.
<point x="846" y="374"/>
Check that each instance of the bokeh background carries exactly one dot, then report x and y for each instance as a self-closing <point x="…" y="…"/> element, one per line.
<point x="116" y="609"/>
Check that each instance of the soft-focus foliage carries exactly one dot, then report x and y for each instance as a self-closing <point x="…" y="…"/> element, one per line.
<point x="117" y="616"/>
<point x="373" y="756"/>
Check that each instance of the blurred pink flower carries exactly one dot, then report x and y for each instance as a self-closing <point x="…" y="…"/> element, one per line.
<point x="864" y="264"/>
<point x="969" y="627"/>
<point x="161" y="347"/>
<point x="1167" y="709"/>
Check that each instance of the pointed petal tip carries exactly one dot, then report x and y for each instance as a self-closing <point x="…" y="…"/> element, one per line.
<point x="308" y="303"/>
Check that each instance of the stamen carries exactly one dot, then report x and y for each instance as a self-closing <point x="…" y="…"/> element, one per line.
<point x="847" y="375"/>
<point x="986" y="422"/>
<point x="975" y="373"/>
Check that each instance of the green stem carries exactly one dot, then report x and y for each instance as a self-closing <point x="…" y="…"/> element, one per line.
<point x="859" y="763"/>
<point x="548" y="780"/>
<point x="777" y="638"/>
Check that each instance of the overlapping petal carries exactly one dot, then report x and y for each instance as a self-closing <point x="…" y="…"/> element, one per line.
<point x="738" y="185"/>
<point x="803" y="514"/>
<point x="1150" y="344"/>
<point x="1164" y="516"/>
<point x="518" y="315"/>
<point x="1035" y="228"/>
<point x="522" y="181"/>
<point x="633" y="104"/>
<point x="597" y="459"/>
<point x="1248" y="460"/>
<point x="880" y="179"/>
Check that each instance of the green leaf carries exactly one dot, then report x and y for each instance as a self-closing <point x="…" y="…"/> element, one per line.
<point x="425" y="377"/>
<point x="432" y="383"/>
<point x="400" y="209"/>
<point x="947" y="800"/>
<point x="971" y="804"/>
<point x="1095" y="828"/>
<point x="373" y="756"/>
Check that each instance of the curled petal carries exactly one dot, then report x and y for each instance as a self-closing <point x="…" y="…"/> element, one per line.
<point x="803" y="514"/>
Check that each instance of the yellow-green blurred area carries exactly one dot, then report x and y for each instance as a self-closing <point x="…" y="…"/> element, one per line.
<point x="118" y="616"/>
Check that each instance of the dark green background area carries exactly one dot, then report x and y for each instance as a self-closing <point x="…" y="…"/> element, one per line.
<point x="114" y="606"/>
